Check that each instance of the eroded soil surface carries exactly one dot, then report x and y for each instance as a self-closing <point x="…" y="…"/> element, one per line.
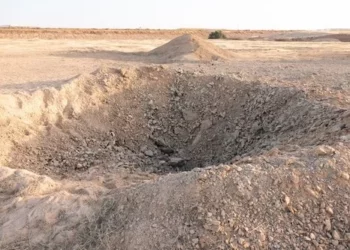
<point x="250" y="152"/>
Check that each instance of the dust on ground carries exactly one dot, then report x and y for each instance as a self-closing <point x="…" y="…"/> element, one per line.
<point x="246" y="153"/>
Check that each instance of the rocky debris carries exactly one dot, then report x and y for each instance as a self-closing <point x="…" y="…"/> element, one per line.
<point x="336" y="235"/>
<point x="222" y="208"/>
<point x="176" y="162"/>
<point x="276" y="176"/>
<point x="162" y="146"/>
<point x="184" y="116"/>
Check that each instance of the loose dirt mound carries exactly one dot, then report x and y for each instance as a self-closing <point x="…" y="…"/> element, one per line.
<point x="189" y="47"/>
<point x="276" y="176"/>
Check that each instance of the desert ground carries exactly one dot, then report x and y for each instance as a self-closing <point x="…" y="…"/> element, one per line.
<point x="166" y="140"/>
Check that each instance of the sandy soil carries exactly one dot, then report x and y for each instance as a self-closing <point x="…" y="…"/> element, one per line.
<point x="104" y="147"/>
<point x="38" y="61"/>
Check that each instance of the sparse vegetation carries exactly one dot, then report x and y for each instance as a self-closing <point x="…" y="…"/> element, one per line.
<point x="217" y="35"/>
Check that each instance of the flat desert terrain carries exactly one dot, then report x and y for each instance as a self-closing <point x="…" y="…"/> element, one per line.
<point x="160" y="140"/>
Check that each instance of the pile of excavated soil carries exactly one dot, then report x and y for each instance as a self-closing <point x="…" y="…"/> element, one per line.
<point x="189" y="48"/>
<point x="152" y="158"/>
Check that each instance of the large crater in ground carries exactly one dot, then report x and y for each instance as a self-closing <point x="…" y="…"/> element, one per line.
<point x="156" y="119"/>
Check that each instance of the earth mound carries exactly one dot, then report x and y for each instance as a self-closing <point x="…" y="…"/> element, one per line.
<point x="189" y="47"/>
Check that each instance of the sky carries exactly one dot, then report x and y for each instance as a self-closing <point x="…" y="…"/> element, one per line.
<point x="162" y="14"/>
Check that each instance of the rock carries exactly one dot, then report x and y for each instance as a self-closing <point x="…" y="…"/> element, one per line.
<point x="167" y="150"/>
<point x="149" y="153"/>
<point x="241" y="241"/>
<point x="345" y="137"/>
<point x="287" y="200"/>
<point x="222" y="114"/>
<point x="347" y="236"/>
<point x="246" y="244"/>
<point x="176" y="162"/>
<point x="163" y="147"/>
<point x="143" y="148"/>
<point x="329" y="210"/>
<point x="345" y="176"/>
<point x="212" y="225"/>
<point x="206" y="124"/>
<point x="178" y="131"/>
<point x="158" y="142"/>
<point x="328" y="224"/>
<point x="239" y="169"/>
<point x="79" y="166"/>
<point x="335" y="242"/>
<point x="188" y="115"/>
<point x="336" y="235"/>
<point x="312" y="236"/>
<point x="56" y="164"/>
<point x="324" y="150"/>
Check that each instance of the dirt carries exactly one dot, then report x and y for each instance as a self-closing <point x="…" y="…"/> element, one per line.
<point x="139" y="34"/>
<point x="143" y="34"/>
<point x="188" y="47"/>
<point x="188" y="155"/>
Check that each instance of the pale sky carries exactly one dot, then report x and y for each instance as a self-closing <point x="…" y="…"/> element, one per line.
<point x="224" y="14"/>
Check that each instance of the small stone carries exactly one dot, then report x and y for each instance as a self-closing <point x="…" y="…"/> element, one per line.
<point x="192" y="231"/>
<point x="345" y="176"/>
<point x="176" y="162"/>
<point x="215" y="222"/>
<point x="179" y="246"/>
<point x="189" y="115"/>
<point x="287" y="200"/>
<point x="212" y="225"/>
<point x="312" y="236"/>
<point x="336" y="235"/>
<point x="329" y="210"/>
<point x="347" y="236"/>
<point x="206" y="124"/>
<point x="149" y="153"/>
<point x="335" y="242"/>
<point x="328" y="224"/>
<point x="56" y="164"/>
<point x="324" y="150"/>
<point x="307" y="238"/>
<point x="246" y="245"/>
<point x="195" y="241"/>
<point x="241" y="241"/>
<point x="79" y="166"/>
